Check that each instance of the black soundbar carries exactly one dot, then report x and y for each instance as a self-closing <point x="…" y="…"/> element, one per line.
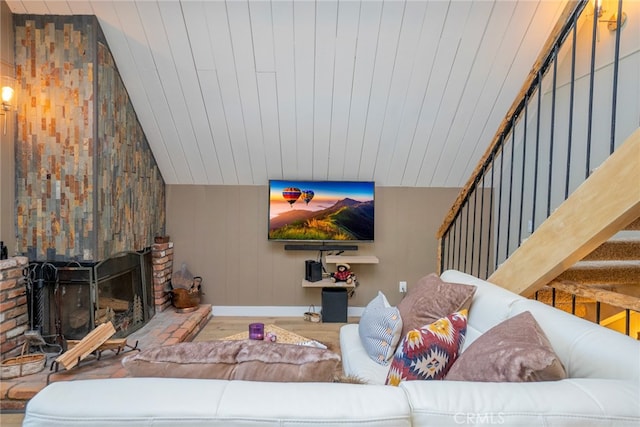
<point x="308" y="247"/>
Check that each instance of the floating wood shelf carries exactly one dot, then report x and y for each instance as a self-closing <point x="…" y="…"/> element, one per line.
<point x="326" y="283"/>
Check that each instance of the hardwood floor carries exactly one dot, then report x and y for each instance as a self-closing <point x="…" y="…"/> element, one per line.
<point x="11" y="420"/>
<point x="222" y="326"/>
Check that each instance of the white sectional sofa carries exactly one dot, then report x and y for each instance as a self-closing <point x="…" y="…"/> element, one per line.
<point x="603" y="366"/>
<point x="602" y="388"/>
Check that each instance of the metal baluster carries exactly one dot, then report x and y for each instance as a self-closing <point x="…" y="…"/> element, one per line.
<point x="535" y="168"/>
<point x="499" y="202"/>
<point x="571" y="96"/>
<point x="450" y="243"/>
<point x="594" y="31"/>
<point x="513" y="149"/>
<point x="616" y="66"/>
<point x="524" y="163"/>
<point x="448" y="247"/>
<point x="460" y="241"/>
<point x="627" y="327"/>
<point x="490" y="218"/>
<point x="481" y="217"/>
<point x="466" y="240"/>
<point x="473" y="235"/>
<point x="552" y="126"/>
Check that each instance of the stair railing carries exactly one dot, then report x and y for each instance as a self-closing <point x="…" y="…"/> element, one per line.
<point x="563" y="124"/>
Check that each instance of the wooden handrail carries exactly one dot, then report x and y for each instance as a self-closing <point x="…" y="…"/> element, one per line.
<point x="570" y="8"/>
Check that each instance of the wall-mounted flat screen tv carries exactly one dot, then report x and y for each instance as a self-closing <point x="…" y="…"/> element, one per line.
<point x="321" y="211"/>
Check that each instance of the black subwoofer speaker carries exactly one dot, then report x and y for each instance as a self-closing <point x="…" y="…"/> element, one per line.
<point x="334" y="305"/>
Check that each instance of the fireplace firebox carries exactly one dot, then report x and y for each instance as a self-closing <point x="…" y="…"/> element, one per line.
<point x="68" y="300"/>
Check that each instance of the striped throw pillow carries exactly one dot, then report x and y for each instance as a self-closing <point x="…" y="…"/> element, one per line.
<point x="380" y="328"/>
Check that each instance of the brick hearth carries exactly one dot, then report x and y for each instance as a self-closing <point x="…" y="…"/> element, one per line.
<point x="165" y="328"/>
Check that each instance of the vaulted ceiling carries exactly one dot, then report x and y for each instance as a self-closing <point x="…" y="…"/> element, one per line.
<point x="405" y="93"/>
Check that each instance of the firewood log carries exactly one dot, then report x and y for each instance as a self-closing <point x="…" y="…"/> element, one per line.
<point x="115" y="303"/>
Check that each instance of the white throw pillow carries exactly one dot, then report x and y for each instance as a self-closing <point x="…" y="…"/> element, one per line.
<point x="380" y="328"/>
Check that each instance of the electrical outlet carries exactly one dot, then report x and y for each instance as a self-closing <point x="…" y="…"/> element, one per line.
<point x="402" y="287"/>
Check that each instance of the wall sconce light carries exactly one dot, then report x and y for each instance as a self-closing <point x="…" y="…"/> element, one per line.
<point x="7" y="95"/>
<point x="612" y="22"/>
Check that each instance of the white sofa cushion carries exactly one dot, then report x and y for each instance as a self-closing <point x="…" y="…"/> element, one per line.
<point x="222" y="403"/>
<point x="356" y="361"/>
<point x="572" y="402"/>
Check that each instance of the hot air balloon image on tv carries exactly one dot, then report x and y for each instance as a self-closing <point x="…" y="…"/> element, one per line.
<point x="332" y="211"/>
<point x="307" y="195"/>
<point x="291" y="194"/>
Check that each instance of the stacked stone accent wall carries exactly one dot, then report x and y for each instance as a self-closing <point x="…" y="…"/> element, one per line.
<point x="55" y="139"/>
<point x="87" y="183"/>
<point x="14" y="316"/>
<point x="162" y="254"/>
<point x="130" y="190"/>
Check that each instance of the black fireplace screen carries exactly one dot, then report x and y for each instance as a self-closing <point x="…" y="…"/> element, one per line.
<point x="68" y="300"/>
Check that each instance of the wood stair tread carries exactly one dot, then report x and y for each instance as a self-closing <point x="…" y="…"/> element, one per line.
<point x="606" y="264"/>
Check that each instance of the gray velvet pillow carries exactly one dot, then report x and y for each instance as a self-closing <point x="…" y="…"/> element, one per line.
<point x="431" y="299"/>
<point x="235" y="360"/>
<point x="516" y="350"/>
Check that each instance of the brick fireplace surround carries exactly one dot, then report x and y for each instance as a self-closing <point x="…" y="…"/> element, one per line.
<point x="168" y="326"/>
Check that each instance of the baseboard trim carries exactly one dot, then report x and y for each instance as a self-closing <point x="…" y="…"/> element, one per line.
<point x="271" y="311"/>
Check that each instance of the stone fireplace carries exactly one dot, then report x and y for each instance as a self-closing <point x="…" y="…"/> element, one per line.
<point x="68" y="300"/>
<point x="90" y="198"/>
<point x="58" y="301"/>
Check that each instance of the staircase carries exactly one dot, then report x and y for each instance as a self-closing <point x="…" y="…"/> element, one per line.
<point x="584" y="257"/>
<point x="604" y="286"/>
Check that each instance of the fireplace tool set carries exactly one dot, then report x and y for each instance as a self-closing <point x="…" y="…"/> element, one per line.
<point x="35" y="282"/>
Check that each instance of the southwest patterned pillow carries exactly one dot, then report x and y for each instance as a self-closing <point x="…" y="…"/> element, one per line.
<point x="380" y="328"/>
<point x="428" y="353"/>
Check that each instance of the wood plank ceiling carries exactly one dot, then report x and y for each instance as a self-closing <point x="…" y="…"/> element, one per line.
<point x="405" y="93"/>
